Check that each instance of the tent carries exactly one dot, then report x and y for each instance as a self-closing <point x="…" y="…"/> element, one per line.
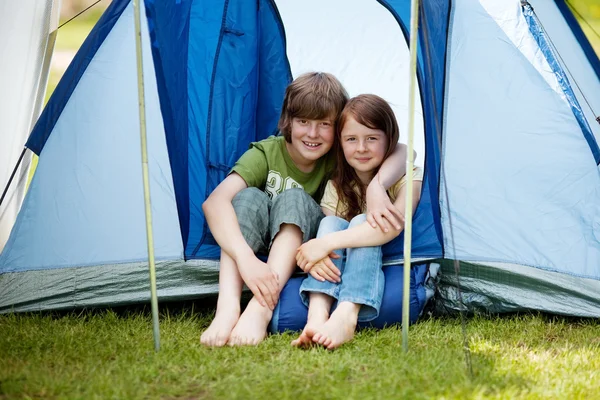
<point x="30" y="30"/>
<point x="508" y="96"/>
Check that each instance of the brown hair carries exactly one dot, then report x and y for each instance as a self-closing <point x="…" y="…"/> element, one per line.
<point x="314" y="95"/>
<point x="373" y="112"/>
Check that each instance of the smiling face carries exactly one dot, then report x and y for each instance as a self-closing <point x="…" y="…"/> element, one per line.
<point x="311" y="139"/>
<point x="364" y="148"/>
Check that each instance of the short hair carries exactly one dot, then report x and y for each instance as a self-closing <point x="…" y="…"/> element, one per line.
<point x="314" y="95"/>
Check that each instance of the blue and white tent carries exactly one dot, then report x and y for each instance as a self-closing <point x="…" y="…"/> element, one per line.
<point x="509" y="93"/>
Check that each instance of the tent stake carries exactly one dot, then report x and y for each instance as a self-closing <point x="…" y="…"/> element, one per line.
<point x="142" y="107"/>
<point x="414" y="25"/>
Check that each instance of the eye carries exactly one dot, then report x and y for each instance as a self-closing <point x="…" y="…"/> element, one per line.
<point x="326" y="123"/>
<point x="372" y="138"/>
<point x="302" y="121"/>
<point x="350" y="139"/>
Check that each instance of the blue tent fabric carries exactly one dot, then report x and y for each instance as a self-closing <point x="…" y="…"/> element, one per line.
<point x="45" y="123"/>
<point x="427" y="230"/>
<point x="545" y="46"/>
<point x="168" y="24"/>
<point x="248" y="82"/>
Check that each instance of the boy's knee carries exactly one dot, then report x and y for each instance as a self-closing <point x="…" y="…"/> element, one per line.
<point x="295" y="207"/>
<point x="251" y="200"/>
<point x="358" y="220"/>
<point x="251" y="207"/>
<point x="293" y="195"/>
<point x="250" y="194"/>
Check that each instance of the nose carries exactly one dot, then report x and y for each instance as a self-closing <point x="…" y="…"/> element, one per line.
<point x="362" y="146"/>
<point x="312" y="130"/>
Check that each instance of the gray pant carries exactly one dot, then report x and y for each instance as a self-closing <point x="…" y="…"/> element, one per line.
<point x="260" y="218"/>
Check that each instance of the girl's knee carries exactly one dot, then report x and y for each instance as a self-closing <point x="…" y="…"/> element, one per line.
<point x="331" y="223"/>
<point x="358" y="220"/>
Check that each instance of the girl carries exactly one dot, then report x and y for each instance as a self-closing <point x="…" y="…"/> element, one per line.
<point x="367" y="133"/>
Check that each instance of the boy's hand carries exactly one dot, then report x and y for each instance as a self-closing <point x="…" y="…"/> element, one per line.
<point x="325" y="269"/>
<point x="380" y="208"/>
<point x="312" y="251"/>
<point x="261" y="280"/>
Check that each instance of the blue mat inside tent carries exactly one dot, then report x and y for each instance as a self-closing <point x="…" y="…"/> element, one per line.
<point x="290" y="314"/>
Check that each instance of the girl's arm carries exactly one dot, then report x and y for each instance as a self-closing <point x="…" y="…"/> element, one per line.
<point x="363" y="235"/>
<point x="379" y="206"/>
<point x="325" y="269"/>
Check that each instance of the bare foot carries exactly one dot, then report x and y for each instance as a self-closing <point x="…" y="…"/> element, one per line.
<point x="316" y="319"/>
<point x="220" y="328"/>
<point x="251" y="328"/>
<point x="340" y="328"/>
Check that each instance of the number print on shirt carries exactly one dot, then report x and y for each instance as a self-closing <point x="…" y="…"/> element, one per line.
<point x="276" y="184"/>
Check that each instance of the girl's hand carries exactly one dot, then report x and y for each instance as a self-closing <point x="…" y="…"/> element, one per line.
<point x="325" y="270"/>
<point x="312" y="251"/>
<point x="380" y="208"/>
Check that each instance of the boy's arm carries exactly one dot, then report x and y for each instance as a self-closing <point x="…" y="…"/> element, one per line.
<point x="363" y="235"/>
<point x="225" y="228"/>
<point x="379" y="206"/>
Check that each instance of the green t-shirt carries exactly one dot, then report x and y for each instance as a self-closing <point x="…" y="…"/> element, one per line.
<point x="267" y="165"/>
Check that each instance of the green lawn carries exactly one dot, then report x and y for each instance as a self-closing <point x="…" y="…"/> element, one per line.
<point x="110" y="354"/>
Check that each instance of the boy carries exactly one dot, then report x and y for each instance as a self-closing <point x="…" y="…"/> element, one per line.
<point x="267" y="204"/>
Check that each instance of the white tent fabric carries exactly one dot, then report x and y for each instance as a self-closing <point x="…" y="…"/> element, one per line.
<point x="27" y="44"/>
<point x="362" y="45"/>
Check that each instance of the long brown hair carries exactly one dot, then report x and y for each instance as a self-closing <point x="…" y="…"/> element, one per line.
<point x="314" y="95"/>
<point x="373" y="112"/>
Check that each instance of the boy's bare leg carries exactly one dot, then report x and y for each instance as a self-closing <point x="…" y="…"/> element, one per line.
<point x="251" y="328"/>
<point x="228" y="304"/>
<point x="340" y="327"/>
<point x="318" y="314"/>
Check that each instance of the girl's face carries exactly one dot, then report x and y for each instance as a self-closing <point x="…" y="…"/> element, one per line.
<point x="364" y="148"/>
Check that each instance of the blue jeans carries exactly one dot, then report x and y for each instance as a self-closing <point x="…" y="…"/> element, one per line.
<point x="362" y="277"/>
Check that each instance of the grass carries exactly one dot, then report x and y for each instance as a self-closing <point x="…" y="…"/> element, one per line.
<point x="108" y="354"/>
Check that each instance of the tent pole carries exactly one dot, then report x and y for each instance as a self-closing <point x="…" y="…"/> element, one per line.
<point x="414" y="25"/>
<point x="140" y="75"/>
<point x="12" y="175"/>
